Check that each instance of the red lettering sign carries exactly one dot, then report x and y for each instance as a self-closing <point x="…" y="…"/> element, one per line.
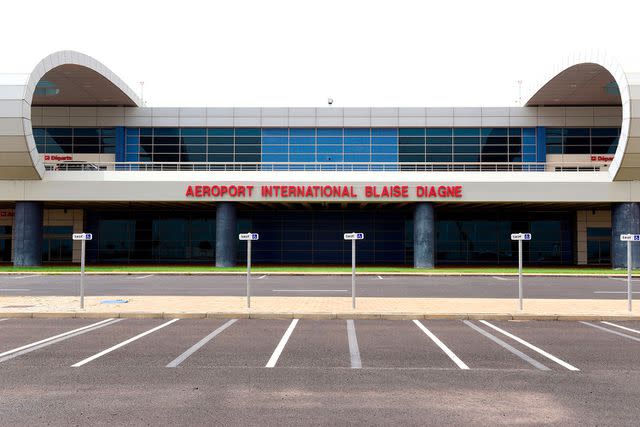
<point x="601" y="158"/>
<point x="323" y="191"/>
<point x="201" y="191"/>
<point x="57" y="157"/>
<point x="441" y="191"/>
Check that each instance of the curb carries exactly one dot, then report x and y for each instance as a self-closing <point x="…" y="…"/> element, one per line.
<point x="293" y="273"/>
<point x="323" y="316"/>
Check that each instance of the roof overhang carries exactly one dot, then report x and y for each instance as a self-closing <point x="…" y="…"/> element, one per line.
<point x="77" y="85"/>
<point x="64" y="78"/>
<point x="580" y="84"/>
<point x="595" y="79"/>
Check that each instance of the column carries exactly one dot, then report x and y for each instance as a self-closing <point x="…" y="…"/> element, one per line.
<point x="27" y="234"/>
<point x="226" y="235"/>
<point x="423" y="236"/>
<point x="625" y="219"/>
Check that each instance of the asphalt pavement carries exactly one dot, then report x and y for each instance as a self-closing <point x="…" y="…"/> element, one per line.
<point x="293" y="372"/>
<point x="280" y="285"/>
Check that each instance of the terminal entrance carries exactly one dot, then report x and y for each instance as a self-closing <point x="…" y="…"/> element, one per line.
<point x="312" y="234"/>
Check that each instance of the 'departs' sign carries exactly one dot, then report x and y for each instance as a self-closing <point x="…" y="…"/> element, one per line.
<point x="318" y="192"/>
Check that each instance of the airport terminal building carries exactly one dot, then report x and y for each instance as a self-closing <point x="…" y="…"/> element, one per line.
<point x="428" y="186"/>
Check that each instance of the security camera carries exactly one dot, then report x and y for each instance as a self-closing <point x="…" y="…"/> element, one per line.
<point x="330" y="101"/>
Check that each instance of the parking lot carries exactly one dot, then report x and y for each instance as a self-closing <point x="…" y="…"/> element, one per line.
<point x="482" y="370"/>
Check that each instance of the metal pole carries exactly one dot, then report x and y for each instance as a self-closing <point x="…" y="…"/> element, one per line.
<point x="82" y="274"/>
<point x="248" y="273"/>
<point x="520" y="272"/>
<point x="353" y="274"/>
<point x="629" y="262"/>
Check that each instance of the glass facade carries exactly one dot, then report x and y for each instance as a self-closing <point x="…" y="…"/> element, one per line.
<point x="599" y="245"/>
<point x="486" y="238"/>
<point x="491" y="145"/>
<point x="75" y="140"/>
<point x="582" y="140"/>
<point x="193" y="145"/>
<point x="330" y="145"/>
<point x="303" y="237"/>
<point x="151" y="237"/>
<point x="56" y="244"/>
<point x="316" y="236"/>
<point x="5" y="243"/>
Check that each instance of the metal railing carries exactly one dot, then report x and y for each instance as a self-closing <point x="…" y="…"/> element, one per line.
<point x="324" y="166"/>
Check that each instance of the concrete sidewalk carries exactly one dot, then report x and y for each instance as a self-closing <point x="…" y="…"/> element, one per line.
<point x="318" y="308"/>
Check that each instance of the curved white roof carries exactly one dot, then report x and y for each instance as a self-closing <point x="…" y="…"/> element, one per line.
<point x="596" y="79"/>
<point x="62" y="78"/>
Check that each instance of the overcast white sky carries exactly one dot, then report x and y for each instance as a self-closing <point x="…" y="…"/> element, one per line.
<point x="299" y="53"/>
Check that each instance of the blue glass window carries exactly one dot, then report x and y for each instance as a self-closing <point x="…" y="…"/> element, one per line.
<point x="357" y="132"/>
<point x="275" y="132"/>
<point x="466" y="131"/>
<point x="220" y="131"/>
<point x="303" y="132"/>
<point x="388" y="132"/>
<point x="415" y="144"/>
<point x="193" y="131"/>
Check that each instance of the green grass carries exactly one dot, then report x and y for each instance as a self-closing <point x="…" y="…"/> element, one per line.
<point x="304" y="269"/>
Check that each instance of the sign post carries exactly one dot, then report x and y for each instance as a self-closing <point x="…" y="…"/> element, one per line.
<point x="520" y="237"/>
<point x="83" y="237"/>
<point x="629" y="238"/>
<point x="353" y="237"/>
<point x="248" y="237"/>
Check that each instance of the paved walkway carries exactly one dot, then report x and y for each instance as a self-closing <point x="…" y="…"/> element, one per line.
<point x="318" y="307"/>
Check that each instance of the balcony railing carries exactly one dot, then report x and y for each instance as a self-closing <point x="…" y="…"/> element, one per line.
<point x="318" y="166"/>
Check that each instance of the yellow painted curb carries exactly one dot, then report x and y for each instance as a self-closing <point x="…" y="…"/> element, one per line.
<point x="492" y="316"/>
<point x="325" y="316"/>
<point x="272" y="316"/>
<point x="141" y="315"/>
<point x="94" y="315"/>
<point x="227" y="315"/>
<point x="67" y="315"/>
<point x="315" y="316"/>
<point x="184" y="315"/>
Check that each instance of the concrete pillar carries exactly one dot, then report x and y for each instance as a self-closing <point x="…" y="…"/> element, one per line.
<point x="625" y="219"/>
<point x="27" y="234"/>
<point x="424" y="236"/>
<point x="226" y="235"/>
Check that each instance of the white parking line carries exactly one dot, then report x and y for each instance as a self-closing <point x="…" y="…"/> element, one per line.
<point x="144" y="277"/>
<point x="14" y="289"/>
<point x="57" y="340"/>
<point x="354" y="351"/>
<point x="532" y="347"/>
<point x="283" y="341"/>
<point x="380" y="277"/>
<point x="309" y="290"/>
<point x="15" y="350"/>
<point x="621" y="327"/>
<point x="178" y="360"/>
<point x="506" y="346"/>
<point x="122" y="344"/>
<point x="263" y="276"/>
<point x="622" y="279"/>
<point x="442" y="346"/>
<point x="503" y="278"/>
<point x="25" y="277"/>
<point x="2" y="320"/>
<point x="620" y="334"/>
<point x="613" y="292"/>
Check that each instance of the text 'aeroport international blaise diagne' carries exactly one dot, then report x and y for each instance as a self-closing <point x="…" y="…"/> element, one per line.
<point x="325" y="191"/>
